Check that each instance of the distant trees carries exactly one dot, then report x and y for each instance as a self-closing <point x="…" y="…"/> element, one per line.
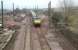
<point x="66" y="6"/>
<point x="65" y="11"/>
<point x="57" y="17"/>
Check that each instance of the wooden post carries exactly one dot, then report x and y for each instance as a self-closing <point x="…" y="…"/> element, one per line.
<point x="2" y="15"/>
<point x="13" y="9"/>
<point x="49" y="13"/>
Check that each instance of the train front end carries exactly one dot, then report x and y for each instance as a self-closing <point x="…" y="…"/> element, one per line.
<point x="37" y="22"/>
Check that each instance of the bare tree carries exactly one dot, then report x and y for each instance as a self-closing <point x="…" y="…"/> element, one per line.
<point x="66" y="6"/>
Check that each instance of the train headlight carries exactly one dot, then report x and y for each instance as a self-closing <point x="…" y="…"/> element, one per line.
<point x="0" y="25"/>
<point x="38" y="21"/>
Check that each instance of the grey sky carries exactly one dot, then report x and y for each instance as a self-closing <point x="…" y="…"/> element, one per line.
<point x="30" y="3"/>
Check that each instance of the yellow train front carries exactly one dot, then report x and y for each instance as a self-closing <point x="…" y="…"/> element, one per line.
<point x="37" y="22"/>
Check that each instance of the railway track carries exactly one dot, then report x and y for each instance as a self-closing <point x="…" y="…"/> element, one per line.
<point x="30" y="38"/>
<point x="43" y="41"/>
<point x="27" y="35"/>
<point x="35" y="44"/>
<point x="38" y="40"/>
<point x="19" y="41"/>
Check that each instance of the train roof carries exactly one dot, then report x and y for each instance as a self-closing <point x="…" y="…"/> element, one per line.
<point x="35" y="17"/>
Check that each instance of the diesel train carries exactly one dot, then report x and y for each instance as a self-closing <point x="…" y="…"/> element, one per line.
<point x="35" y="19"/>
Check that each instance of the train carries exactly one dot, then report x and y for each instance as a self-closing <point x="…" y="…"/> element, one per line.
<point x="35" y="19"/>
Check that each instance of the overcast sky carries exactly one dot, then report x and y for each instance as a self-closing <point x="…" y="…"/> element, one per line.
<point x="30" y="3"/>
